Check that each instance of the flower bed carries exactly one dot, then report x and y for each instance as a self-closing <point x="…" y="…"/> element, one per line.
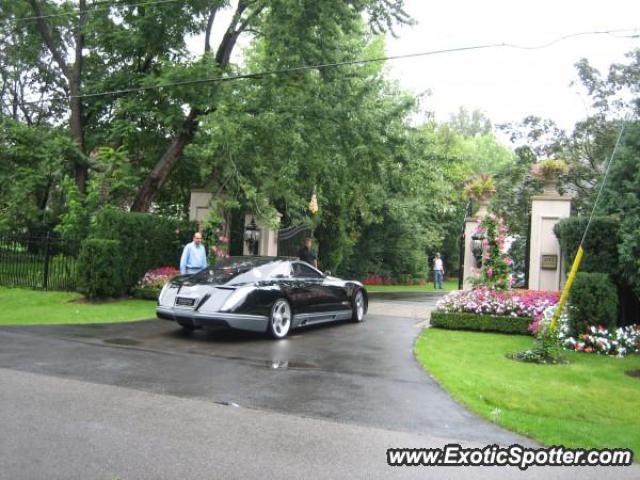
<point x="153" y="281"/>
<point x="401" y="280"/>
<point x="527" y="303"/>
<point x="377" y="280"/>
<point x="618" y="342"/>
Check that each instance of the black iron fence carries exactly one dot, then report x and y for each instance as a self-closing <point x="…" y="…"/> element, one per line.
<point x="290" y="240"/>
<point x="38" y="261"/>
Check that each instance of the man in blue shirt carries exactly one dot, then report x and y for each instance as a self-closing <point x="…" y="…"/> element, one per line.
<point x="194" y="256"/>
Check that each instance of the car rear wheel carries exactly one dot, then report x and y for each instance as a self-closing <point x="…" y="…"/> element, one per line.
<point x="280" y="319"/>
<point x="358" y="306"/>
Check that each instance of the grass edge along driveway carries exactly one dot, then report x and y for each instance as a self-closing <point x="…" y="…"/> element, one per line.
<point x="589" y="403"/>
<point x="20" y="306"/>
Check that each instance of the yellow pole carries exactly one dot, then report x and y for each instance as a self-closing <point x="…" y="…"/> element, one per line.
<point x="567" y="287"/>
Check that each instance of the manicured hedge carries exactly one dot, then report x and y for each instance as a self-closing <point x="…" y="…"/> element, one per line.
<point x="594" y="301"/>
<point x="605" y="252"/>
<point x="147" y="241"/>
<point x="100" y="268"/>
<point x="601" y="244"/>
<point x="483" y="323"/>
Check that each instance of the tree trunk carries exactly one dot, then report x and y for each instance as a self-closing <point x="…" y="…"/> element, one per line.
<point x="158" y="176"/>
<point x="76" y="120"/>
<point x="73" y="75"/>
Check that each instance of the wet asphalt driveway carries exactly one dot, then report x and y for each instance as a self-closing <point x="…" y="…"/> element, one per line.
<point x="356" y="373"/>
<point x="146" y="401"/>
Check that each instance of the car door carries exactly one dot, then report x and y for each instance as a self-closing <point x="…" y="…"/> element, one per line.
<point x="307" y="290"/>
<point x="337" y="299"/>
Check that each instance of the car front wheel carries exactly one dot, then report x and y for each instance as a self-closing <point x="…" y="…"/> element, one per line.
<point x="280" y="319"/>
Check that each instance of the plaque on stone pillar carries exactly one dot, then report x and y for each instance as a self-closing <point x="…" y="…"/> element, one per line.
<point x="549" y="262"/>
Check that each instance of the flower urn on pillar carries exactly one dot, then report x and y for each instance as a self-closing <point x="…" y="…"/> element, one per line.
<point x="548" y="172"/>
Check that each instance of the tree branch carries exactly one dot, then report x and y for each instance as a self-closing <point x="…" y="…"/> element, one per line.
<point x="207" y="34"/>
<point x="158" y="176"/>
<point x="245" y="23"/>
<point x="233" y="31"/>
<point x="47" y="36"/>
<point x="22" y="106"/>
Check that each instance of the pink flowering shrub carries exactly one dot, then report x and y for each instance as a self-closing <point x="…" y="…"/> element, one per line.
<point x="219" y="242"/>
<point x="221" y="247"/>
<point x="158" y="277"/>
<point x="486" y="301"/>
<point x="216" y="234"/>
<point x="494" y="271"/>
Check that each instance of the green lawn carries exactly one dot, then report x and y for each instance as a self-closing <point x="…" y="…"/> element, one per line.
<point x="32" y="307"/>
<point x="588" y="403"/>
<point x="447" y="286"/>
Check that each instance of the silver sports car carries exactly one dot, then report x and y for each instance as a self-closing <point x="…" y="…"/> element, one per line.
<point x="261" y="294"/>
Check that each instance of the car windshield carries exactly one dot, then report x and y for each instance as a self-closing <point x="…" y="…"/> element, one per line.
<point x="239" y="270"/>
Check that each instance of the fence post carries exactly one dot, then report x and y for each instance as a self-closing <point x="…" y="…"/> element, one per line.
<point x="463" y="241"/>
<point x="461" y="270"/>
<point x="45" y="270"/>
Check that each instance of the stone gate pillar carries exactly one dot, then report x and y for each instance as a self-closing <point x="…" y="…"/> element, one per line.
<point x="199" y="206"/>
<point x="546" y="265"/>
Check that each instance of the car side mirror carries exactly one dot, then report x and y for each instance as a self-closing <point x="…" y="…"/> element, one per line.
<point x="327" y="273"/>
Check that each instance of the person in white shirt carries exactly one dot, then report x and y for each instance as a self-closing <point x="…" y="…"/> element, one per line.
<point x="438" y="272"/>
<point x="194" y="256"/>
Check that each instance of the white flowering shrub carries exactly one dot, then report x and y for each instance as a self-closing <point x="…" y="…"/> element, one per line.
<point x="619" y="342"/>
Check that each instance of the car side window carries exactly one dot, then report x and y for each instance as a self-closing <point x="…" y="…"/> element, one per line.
<point x="282" y="271"/>
<point x="300" y="270"/>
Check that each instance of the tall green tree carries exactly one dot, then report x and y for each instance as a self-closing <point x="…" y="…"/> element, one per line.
<point x="56" y="55"/>
<point x="130" y="47"/>
<point x="34" y="160"/>
<point x="335" y="131"/>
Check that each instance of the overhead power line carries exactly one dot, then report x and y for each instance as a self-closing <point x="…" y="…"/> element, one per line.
<point x="245" y="76"/>
<point x="256" y="75"/>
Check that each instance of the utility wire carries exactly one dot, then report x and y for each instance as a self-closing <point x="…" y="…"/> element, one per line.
<point x="256" y="75"/>
<point x="245" y="76"/>
<point x="91" y="10"/>
<point x="345" y="63"/>
<point x="604" y="179"/>
<point x="580" y="34"/>
<point x="580" y="252"/>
